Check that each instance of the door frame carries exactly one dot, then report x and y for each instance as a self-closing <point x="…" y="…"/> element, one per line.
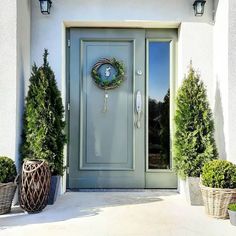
<point x="173" y="73"/>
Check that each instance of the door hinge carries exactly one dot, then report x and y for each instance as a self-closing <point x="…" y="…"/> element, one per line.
<point x="67" y="170"/>
<point x="68" y="106"/>
<point x="68" y="43"/>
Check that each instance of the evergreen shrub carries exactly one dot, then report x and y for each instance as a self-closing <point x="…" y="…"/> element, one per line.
<point x="43" y="133"/>
<point x="194" y="143"/>
<point x="7" y="170"/>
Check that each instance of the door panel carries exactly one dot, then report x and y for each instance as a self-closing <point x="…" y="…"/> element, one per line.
<point x="106" y="150"/>
<point x="109" y="135"/>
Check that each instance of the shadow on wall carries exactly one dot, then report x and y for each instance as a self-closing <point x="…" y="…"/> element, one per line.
<point x="20" y="109"/>
<point x="219" y="123"/>
<point x="74" y="205"/>
<point x="215" y="5"/>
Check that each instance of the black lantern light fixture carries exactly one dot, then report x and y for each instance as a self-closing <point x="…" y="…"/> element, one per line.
<point x="45" y="6"/>
<point x="198" y="7"/>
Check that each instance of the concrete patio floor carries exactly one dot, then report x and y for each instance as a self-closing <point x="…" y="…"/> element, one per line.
<point x="133" y="213"/>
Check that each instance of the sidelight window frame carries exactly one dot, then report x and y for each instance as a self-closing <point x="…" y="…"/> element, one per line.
<point x="172" y="98"/>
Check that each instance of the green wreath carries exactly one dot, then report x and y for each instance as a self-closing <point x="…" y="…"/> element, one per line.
<point x="117" y="79"/>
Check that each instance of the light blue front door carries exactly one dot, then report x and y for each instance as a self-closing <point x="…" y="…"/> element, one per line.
<point x="120" y="138"/>
<point x="106" y="148"/>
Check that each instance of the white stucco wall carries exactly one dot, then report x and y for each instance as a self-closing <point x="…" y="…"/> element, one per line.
<point x="14" y="68"/>
<point x="195" y="43"/>
<point x="225" y="74"/>
<point x="220" y="44"/>
<point x="23" y="63"/>
<point x="232" y="81"/>
<point x="8" y="77"/>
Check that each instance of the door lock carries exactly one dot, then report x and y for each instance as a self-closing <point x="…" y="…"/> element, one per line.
<point x="139" y="72"/>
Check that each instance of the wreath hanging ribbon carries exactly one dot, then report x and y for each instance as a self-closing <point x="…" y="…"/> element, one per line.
<point x="108" y="83"/>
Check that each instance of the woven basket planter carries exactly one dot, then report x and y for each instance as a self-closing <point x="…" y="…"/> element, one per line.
<point x="34" y="186"/>
<point x="7" y="192"/>
<point x="216" y="201"/>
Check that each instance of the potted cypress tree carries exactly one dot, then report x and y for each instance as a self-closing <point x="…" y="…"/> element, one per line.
<point x="43" y="132"/>
<point x="194" y="143"/>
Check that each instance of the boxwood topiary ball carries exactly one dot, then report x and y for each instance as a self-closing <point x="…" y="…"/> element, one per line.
<point x="219" y="174"/>
<point x="7" y="170"/>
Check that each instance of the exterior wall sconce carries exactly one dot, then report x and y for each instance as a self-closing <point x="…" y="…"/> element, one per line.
<point x="45" y="6"/>
<point x="198" y="7"/>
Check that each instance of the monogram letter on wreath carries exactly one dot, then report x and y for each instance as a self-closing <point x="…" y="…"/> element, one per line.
<point x="108" y="74"/>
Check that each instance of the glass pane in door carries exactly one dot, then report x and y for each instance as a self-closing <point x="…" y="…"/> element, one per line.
<point x="158" y="109"/>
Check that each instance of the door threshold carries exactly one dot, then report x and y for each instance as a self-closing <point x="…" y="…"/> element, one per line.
<point x="121" y="190"/>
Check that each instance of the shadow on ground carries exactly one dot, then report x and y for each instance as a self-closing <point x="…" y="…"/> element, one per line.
<point x="80" y="204"/>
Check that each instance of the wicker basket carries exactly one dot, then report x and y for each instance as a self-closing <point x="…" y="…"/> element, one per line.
<point x="216" y="201"/>
<point x="7" y="192"/>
